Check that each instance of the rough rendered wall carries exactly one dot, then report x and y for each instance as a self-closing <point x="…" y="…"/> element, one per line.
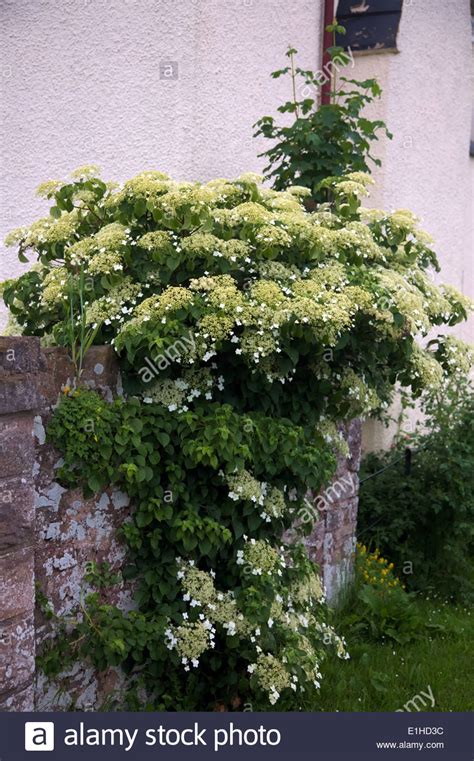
<point x="427" y="103"/>
<point x="48" y="533"/>
<point x="81" y="83"/>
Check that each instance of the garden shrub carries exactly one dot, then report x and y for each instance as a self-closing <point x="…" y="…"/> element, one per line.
<point x="323" y="140"/>
<point x="424" y="519"/>
<point x="247" y="329"/>
<point x="375" y="606"/>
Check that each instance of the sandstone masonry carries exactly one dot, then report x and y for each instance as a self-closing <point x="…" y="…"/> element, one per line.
<point x="48" y="533"/>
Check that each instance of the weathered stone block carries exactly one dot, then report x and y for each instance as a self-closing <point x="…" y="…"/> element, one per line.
<point x="71" y="532"/>
<point x="17" y="584"/>
<point x="16" y="513"/>
<point x="59" y="372"/>
<point x="16" y="445"/>
<point x="100" y="371"/>
<point x="18" y="701"/>
<point x="20" y="355"/>
<point x="17" y="652"/>
<point x="18" y="394"/>
<point x="331" y="542"/>
<point x="101" y="367"/>
<point x="20" y="361"/>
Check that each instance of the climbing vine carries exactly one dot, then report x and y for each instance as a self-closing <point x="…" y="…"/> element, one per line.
<point x="247" y="329"/>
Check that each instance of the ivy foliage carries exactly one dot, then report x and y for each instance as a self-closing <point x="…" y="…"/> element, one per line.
<point x="247" y="329"/>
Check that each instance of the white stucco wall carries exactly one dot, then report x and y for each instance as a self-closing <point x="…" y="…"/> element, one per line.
<point x="81" y="84"/>
<point x="427" y="103"/>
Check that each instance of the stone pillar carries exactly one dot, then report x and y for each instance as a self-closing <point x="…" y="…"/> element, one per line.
<point x="20" y="362"/>
<point x="331" y="543"/>
<point x="46" y="532"/>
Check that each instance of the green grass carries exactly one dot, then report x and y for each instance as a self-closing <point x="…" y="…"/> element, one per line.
<point x="384" y="676"/>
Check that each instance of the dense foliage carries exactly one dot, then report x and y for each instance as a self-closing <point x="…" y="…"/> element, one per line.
<point x="424" y="519"/>
<point x="322" y="140"/>
<point x="247" y="328"/>
<point x="376" y="606"/>
<point x="215" y="589"/>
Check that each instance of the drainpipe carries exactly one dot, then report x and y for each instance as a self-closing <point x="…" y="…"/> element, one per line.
<point x="327" y="42"/>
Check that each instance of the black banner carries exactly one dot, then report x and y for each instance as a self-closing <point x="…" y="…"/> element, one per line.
<point x="319" y="736"/>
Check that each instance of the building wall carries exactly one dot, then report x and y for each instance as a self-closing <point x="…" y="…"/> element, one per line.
<point x="427" y="103"/>
<point x="81" y="84"/>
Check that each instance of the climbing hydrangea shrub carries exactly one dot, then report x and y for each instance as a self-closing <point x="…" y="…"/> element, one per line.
<point x="247" y="328"/>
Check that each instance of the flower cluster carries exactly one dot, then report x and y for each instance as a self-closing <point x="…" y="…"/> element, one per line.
<point x="116" y="305"/>
<point x="112" y="236"/>
<point x="274" y="505"/>
<point x="105" y="263"/>
<point x="177" y="394"/>
<point x="158" y="243"/>
<point x="361" y="397"/>
<point x="454" y="355"/>
<point x="243" y="486"/>
<point x="191" y="640"/>
<point x="425" y="368"/>
<point x="308" y="590"/>
<point x="271" y="675"/>
<point x="376" y="570"/>
<point x="55" y="284"/>
<point x="261" y="559"/>
<point x="330" y="433"/>
<point x="212" y="614"/>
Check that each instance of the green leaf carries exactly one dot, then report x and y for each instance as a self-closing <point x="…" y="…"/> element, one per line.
<point x="94" y="482"/>
<point x="139" y="208"/>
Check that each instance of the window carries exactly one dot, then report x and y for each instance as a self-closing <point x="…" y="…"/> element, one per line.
<point x="371" y="25"/>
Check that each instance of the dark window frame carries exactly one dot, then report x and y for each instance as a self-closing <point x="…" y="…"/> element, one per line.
<point x="371" y="25"/>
